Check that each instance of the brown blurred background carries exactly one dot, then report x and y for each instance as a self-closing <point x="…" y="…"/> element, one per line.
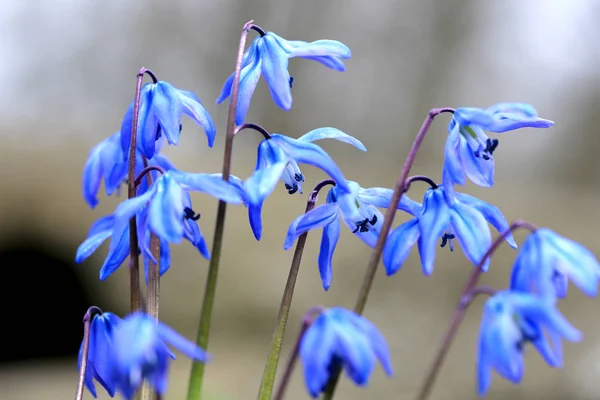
<point x="67" y="73"/>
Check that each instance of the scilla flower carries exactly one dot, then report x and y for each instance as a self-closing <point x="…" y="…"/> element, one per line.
<point x="140" y="351"/>
<point x="161" y="108"/>
<point x="358" y="210"/>
<point x="463" y="218"/>
<point x="469" y="151"/>
<point x="341" y="338"/>
<point x="510" y="321"/>
<point x="99" y="347"/>
<point x="268" y="55"/>
<point x="278" y="158"/>
<point x="547" y="261"/>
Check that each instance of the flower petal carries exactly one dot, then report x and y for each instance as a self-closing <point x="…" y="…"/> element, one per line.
<point x="381" y="197"/>
<point x="398" y="245"/>
<point x="329" y="239"/>
<point x="255" y="218"/>
<point x="318" y="217"/>
<point x="433" y="222"/>
<point x="187" y="347"/>
<point x="472" y="232"/>
<point x="480" y="171"/>
<point x="167" y="107"/>
<point x="323" y="47"/>
<point x="331" y="133"/>
<point x="249" y="77"/>
<point x="209" y="184"/>
<point x="194" y="109"/>
<point x="262" y="182"/>
<point x="275" y="71"/>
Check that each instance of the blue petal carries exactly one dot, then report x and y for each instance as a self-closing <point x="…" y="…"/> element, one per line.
<point x="331" y="133"/>
<point x="171" y="337"/>
<point x="126" y="126"/>
<point x="399" y="244"/>
<point x="472" y="232"/>
<point x="247" y="59"/>
<point x="194" y="109"/>
<point x="209" y="184"/>
<point x="480" y="171"/>
<point x="162" y="161"/>
<point x="117" y="254"/>
<point x="318" y="217"/>
<point x="511" y="122"/>
<point x="466" y="116"/>
<point x="255" y="218"/>
<point x="166" y="209"/>
<point x="316" y="350"/>
<point x="491" y="213"/>
<point x="92" y="175"/>
<point x="148" y="124"/>
<point x="275" y="70"/>
<point x="311" y="154"/>
<point x="381" y="197"/>
<point x="194" y="235"/>
<point x="322" y="48"/>
<point x="91" y="244"/>
<point x="433" y="222"/>
<point x="453" y="170"/>
<point x="248" y="80"/>
<point x="168" y="109"/>
<point x="524" y="109"/>
<point x="377" y="341"/>
<point x="328" y="61"/>
<point x="329" y="239"/>
<point x="262" y="182"/>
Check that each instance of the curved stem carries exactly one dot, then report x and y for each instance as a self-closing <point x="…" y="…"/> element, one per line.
<point x="256" y="127"/>
<point x="467" y="295"/>
<point x="87" y="321"/>
<point x="419" y="178"/>
<point x="258" y="29"/>
<point x="399" y="190"/>
<point x="268" y="379"/>
<point x="197" y="373"/>
<point x="307" y="320"/>
<point x="134" y="262"/>
<point x="146" y="170"/>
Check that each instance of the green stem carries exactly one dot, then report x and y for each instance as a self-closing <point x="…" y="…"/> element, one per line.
<point x="268" y="379"/>
<point x="390" y="213"/>
<point x="197" y="373"/>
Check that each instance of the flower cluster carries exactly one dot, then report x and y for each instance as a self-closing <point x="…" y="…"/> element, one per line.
<point x="120" y="354"/>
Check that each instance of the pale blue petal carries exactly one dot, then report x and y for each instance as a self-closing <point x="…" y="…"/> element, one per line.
<point x="472" y="233"/>
<point x="480" y="171"/>
<point x="331" y="133"/>
<point x="249" y="57"/>
<point x="255" y="218"/>
<point x="248" y="80"/>
<point x="491" y="213"/>
<point x="275" y="71"/>
<point x="323" y="47"/>
<point x="262" y="182"/>
<point x="171" y="337"/>
<point x="328" y="61"/>
<point x="381" y="197"/>
<point x="318" y="217"/>
<point x="117" y="254"/>
<point x="329" y="239"/>
<point x="466" y="116"/>
<point x="91" y="244"/>
<point x="433" y="222"/>
<point x="168" y="109"/>
<point x="209" y="184"/>
<point x="453" y="170"/>
<point x="92" y="175"/>
<point x="193" y="234"/>
<point x="166" y="210"/>
<point x="194" y="109"/>
<point x="398" y="245"/>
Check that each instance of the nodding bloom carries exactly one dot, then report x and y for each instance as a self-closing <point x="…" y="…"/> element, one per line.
<point x="161" y="108"/>
<point x="462" y="218"/>
<point x="99" y="347"/>
<point x="278" y="158"/>
<point x="358" y="210"/>
<point x="510" y="321"/>
<point x="340" y="338"/>
<point x="140" y="351"/>
<point x="548" y="261"/>
<point x="268" y="55"/>
<point x="106" y="161"/>
<point x="469" y="151"/>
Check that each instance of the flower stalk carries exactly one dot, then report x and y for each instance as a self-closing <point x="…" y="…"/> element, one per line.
<point x="399" y="190"/>
<point x="197" y="373"/>
<point x="468" y="294"/>
<point x="87" y="322"/>
<point x="268" y="379"/>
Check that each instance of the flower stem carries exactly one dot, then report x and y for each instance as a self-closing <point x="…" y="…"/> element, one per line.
<point x="399" y="190"/>
<point x="268" y="379"/>
<point x="87" y="321"/>
<point x="467" y="295"/>
<point x="134" y="262"/>
<point x="197" y="373"/>
<point x="307" y="320"/>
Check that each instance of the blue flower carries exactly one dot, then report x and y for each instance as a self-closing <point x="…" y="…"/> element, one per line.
<point x="140" y="351"/>
<point x="337" y="338"/>
<point x="269" y="55"/>
<point x="358" y="209"/>
<point x="161" y="108"/>
<point x="469" y="151"/>
<point x="100" y="344"/>
<point x="278" y="158"/>
<point x="462" y="218"/>
<point x="510" y="320"/>
<point x="548" y="261"/>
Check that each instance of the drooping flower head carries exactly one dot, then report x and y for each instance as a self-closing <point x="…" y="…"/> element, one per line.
<point x="278" y="158"/>
<point x="358" y="210"/>
<point x="510" y="321"/>
<point x="548" y="261"/>
<point x="140" y="351"/>
<point x="268" y="55"/>
<point x="341" y="338"/>
<point x="99" y="348"/>
<point x="161" y="108"/>
<point x="462" y="217"/>
<point x="469" y="151"/>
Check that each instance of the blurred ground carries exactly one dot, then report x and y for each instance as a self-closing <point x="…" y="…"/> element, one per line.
<point x="67" y="73"/>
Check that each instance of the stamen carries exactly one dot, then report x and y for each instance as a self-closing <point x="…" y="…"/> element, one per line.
<point x="190" y="214"/>
<point x="362" y="225"/>
<point x="158" y="133"/>
<point x="291" y="82"/>
<point x="447" y="239"/>
<point x="299" y="177"/>
<point x="373" y="221"/>
<point x="291" y="189"/>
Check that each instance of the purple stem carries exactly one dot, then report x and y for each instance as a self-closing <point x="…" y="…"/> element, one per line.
<point x="256" y="127"/>
<point x="146" y="170"/>
<point x="469" y="292"/>
<point x="87" y="321"/>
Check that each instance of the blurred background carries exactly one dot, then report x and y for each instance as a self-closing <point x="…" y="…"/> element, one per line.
<point x="67" y="73"/>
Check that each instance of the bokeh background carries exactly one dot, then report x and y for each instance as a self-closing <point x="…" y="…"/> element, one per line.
<point x="67" y="74"/>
